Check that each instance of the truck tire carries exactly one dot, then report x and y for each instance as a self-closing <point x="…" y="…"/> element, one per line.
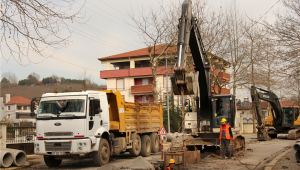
<point x="101" y="157"/>
<point x="50" y="161"/>
<point x="154" y="142"/>
<point x="136" y="146"/>
<point x="146" y="146"/>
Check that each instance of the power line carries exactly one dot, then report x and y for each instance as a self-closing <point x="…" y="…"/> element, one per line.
<point x="258" y="20"/>
<point x="107" y="17"/>
<point x="112" y="7"/>
<point x="102" y="33"/>
<point x="50" y="56"/>
<point x="104" y="43"/>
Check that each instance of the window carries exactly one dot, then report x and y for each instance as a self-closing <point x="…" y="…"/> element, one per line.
<point x="222" y="110"/>
<point x="25" y="108"/>
<point x="169" y="81"/>
<point x="19" y="107"/>
<point x="180" y="99"/>
<point x="8" y="107"/>
<point x="123" y="96"/>
<point x="145" y="81"/>
<point x="120" y="84"/>
<point x="144" y="99"/>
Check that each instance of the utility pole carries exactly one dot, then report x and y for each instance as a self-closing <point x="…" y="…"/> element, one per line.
<point x="167" y="84"/>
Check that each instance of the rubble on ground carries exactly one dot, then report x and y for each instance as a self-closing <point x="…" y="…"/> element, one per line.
<point x="139" y="164"/>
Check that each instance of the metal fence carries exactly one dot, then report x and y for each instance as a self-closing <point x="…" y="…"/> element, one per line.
<point x="21" y="138"/>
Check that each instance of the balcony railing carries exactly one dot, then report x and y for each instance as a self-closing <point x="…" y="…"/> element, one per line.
<point x="142" y="89"/>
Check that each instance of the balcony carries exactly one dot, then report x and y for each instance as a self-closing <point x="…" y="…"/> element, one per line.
<point x="133" y="72"/>
<point x="140" y="89"/>
<point x="225" y="76"/>
<point x="217" y="89"/>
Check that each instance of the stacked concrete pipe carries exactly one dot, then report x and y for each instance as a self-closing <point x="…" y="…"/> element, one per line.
<point x="6" y="158"/>
<point x="18" y="156"/>
<point x="297" y="145"/>
<point x="297" y="149"/>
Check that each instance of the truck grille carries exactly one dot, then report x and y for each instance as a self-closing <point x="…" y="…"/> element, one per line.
<point x="58" y="134"/>
<point x="58" y="146"/>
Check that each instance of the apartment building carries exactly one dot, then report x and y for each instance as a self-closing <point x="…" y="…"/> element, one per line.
<point x="131" y="74"/>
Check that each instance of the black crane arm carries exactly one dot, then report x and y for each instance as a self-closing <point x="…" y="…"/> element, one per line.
<point x="270" y="97"/>
<point x="189" y="36"/>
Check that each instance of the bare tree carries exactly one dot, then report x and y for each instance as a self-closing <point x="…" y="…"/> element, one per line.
<point x="87" y="80"/>
<point x="36" y="75"/>
<point x="11" y="77"/>
<point x="157" y="32"/>
<point x="31" y="26"/>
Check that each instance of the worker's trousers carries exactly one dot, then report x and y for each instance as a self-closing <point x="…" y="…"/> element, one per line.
<point x="225" y="145"/>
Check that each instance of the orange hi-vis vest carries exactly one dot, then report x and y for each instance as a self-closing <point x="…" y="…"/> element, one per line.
<point x="168" y="168"/>
<point x="227" y="134"/>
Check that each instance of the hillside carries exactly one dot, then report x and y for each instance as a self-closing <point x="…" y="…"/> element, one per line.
<point x="36" y="91"/>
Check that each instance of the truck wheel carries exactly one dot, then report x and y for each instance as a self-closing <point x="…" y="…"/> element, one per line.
<point x="101" y="157"/>
<point x="136" y="146"/>
<point x="154" y="142"/>
<point x="50" y="161"/>
<point x="146" y="146"/>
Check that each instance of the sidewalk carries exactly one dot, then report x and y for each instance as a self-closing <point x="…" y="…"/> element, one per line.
<point x="288" y="161"/>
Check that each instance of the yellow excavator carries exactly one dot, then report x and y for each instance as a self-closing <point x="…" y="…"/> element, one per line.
<point x="283" y="120"/>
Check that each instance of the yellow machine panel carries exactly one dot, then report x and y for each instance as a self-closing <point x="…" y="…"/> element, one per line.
<point x="133" y="117"/>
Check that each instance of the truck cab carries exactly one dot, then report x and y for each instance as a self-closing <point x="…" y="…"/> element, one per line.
<point x="68" y="123"/>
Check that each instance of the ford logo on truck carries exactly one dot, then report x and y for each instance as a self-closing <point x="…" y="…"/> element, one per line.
<point x="57" y="124"/>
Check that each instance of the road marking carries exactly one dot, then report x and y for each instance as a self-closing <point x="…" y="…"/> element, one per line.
<point x="275" y="160"/>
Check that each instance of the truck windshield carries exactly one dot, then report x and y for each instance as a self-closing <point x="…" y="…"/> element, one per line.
<point x="61" y="106"/>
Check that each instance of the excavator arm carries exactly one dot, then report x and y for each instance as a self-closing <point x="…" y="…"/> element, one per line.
<point x="183" y="81"/>
<point x="258" y="94"/>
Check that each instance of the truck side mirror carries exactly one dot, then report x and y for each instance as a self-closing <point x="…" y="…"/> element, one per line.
<point x="32" y="107"/>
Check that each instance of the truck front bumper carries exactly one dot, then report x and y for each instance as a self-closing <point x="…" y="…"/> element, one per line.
<point x="62" y="147"/>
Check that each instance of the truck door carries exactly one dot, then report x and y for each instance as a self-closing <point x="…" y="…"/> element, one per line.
<point x="93" y="114"/>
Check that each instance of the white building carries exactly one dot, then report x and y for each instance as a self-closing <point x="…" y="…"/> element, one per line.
<point x="131" y="74"/>
<point x="17" y="110"/>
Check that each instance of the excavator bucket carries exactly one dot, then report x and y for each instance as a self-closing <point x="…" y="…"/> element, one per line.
<point x="181" y="80"/>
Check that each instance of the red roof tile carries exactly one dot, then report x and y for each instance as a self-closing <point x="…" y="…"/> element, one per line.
<point x="19" y="100"/>
<point x="139" y="52"/>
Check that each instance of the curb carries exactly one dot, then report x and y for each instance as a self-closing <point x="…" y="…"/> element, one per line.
<point x="275" y="160"/>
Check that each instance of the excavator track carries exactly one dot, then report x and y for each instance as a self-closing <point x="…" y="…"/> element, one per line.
<point x="294" y="134"/>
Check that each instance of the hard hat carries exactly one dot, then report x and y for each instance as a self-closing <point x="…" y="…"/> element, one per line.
<point x="223" y="120"/>
<point x="172" y="161"/>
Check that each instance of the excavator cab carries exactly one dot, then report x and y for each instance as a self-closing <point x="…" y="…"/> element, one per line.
<point x="288" y="117"/>
<point x="223" y="106"/>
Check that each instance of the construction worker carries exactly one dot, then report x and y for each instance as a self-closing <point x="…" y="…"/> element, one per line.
<point x="171" y="165"/>
<point x="225" y="137"/>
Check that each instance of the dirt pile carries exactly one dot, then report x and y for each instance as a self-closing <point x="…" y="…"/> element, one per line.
<point x="139" y="164"/>
<point x="109" y="167"/>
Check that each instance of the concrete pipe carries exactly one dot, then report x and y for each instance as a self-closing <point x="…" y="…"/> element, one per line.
<point x="19" y="156"/>
<point x="171" y="136"/>
<point x="297" y="145"/>
<point x="6" y="158"/>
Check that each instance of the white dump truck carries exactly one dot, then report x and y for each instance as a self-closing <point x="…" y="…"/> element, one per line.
<point x="95" y="124"/>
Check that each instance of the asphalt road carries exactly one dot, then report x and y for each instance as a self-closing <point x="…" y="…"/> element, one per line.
<point x="256" y="155"/>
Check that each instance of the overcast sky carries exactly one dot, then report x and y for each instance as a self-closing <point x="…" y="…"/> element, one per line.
<point x="106" y="33"/>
